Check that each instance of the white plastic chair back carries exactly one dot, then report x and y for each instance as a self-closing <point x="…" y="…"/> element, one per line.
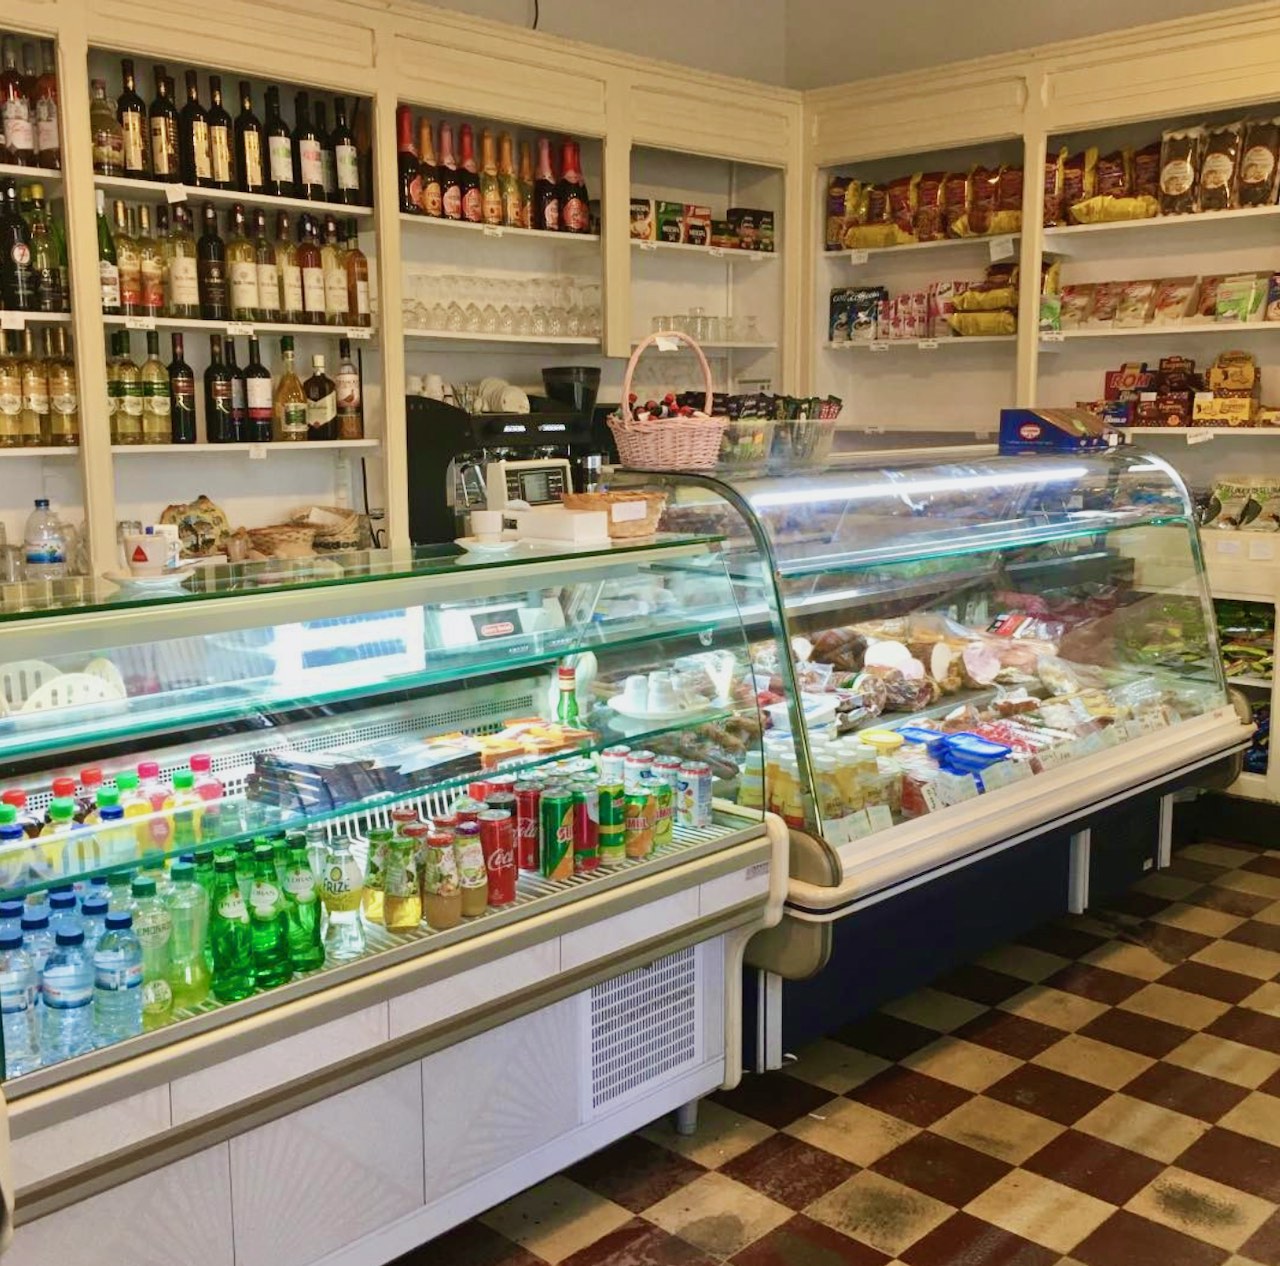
<point x="104" y="669"/>
<point x="70" y="690"/>
<point x="22" y="678"/>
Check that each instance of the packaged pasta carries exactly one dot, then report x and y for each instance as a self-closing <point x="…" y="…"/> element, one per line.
<point x="1259" y="163"/>
<point x="1180" y="152"/>
<point x="837" y="188"/>
<point x="1218" y="167"/>
<point x="998" y="289"/>
<point x="1054" y="208"/>
<point x="928" y="222"/>
<point x="902" y="204"/>
<point x="1106" y="209"/>
<point x="1175" y="298"/>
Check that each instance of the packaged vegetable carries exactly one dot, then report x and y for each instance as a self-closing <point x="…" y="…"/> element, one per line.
<point x="1259" y="163"/>
<point x="1218" y="167"/>
<point x="1180" y="152"/>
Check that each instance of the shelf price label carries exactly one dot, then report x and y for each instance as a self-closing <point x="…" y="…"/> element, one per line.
<point x="878" y="345"/>
<point x="175" y="193"/>
<point x="927" y="344"/>
<point x="1261" y="551"/>
<point x="879" y="817"/>
<point x="716" y="252"/>
<point x="257" y="452"/>
<point x="240" y="329"/>
<point x="358" y="331"/>
<point x="12" y="321"/>
<point x="847" y="829"/>
<point x="1199" y="437"/>
<point x="646" y="244"/>
<point x="140" y="323"/>
<point x="858" y="257"/>
<point x="1052" y="336"/>
<point x="492" y="230"/>
<point x="1002" y="248"/>
<point x="664" y="343"/>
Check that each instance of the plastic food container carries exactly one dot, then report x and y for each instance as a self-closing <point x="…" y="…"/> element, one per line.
<point x="801" y="442"/>
<point x="745" y="444"/>
<point x="881" y="741"/>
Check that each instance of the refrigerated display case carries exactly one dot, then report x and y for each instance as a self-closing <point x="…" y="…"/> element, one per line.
<point x="338" y="705"/>
<point x="983" y="684"/>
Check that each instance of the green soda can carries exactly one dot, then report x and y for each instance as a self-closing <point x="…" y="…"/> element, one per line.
<point x="555" y="814"/>
<point x="664" y="810"/>
<point x="612" y="832"/>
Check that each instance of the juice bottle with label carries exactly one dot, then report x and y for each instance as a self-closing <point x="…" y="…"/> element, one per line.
<point x="135" y="805"/>
<point x="341" y="886"/>
<point x="56" y="834"/>
<point x="91" y="781"/>
<point x="30" y="822"/>
<point x="208" y="787"/>
<point x="379" y="839"/>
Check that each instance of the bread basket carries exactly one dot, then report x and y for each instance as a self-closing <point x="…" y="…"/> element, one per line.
<point x="631" y="514"/>
<point x="283" y="540"/>
<point x="336" y="527"/>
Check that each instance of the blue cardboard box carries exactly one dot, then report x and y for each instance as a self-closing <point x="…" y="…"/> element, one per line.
<point x="1052" y="431"/>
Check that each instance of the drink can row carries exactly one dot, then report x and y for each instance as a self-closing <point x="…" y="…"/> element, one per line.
<point x="498" y="841"/>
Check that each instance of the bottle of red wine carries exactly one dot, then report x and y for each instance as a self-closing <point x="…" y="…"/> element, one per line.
<point x="575" y="214"/>
<point x="164" y="131"/>
<point x="346" y="159"/>
<point x="221" y="160"/>
<point x="211" y="269"/>
<point x="131" y="112"/>
<point x="239" y="408"/>
<point x="250" y="176"/>
<point x="308" y="169"/>
<point x="546" y="198"/>
<point x="407" y="161"/>
<point x="328" y="174"/>
<point x="182" y="396"/>
<point x="279" y="149"/>
<point x="257" y="397"/>
<point x="193" y="138"/>
<point x="218" y="425"/>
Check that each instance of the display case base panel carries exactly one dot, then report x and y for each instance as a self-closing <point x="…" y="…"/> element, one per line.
<point x="371" y="1173"/>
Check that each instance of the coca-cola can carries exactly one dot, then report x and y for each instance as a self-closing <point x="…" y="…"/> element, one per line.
<point x="498" y="840"/>
<point x="528" y="797"/>
<point x="505" y="800"/>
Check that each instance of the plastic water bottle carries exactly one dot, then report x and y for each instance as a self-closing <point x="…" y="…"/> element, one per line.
<point x="66" y="1026"/>
<point x="117" y="981"/>
<point x="64" y="910"/>
<point x="37" y="940"/>
<point x="154" y="925"/>
<point x="230" y="935"/>
<point x="18" y="1005"/>
<point x="11" y="913"/>
<point x="189" y="909"/>
<point x="93" y="919"/>
<point x="44" y="544"/>
<point x="97" y="887"/>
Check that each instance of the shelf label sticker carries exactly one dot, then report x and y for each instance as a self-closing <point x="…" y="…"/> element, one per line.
<point x="665" y="343"/>
<point x="492" y="230"/>
<point x="175" y="193"/>
<point x="956" y="788"/>
<point x="1001" y="248"/>
<point x="1199" y="437"/>
<point x="1261" y="551"/>
<point x="927" y="344"/>
<point x="358" y="331"/>
<point x="847" y="829"/>
<point x="717" y="252"/>
<point x="1052" y="336"/>
<point x="1230" y="547"/>
<point x="240" y="329"/>
<point x="858" y="257"/>
<point x="257" y="452"/>
<point x="1004" y="773"/>
<point x="12" y="321"/>
<point x="646" y="244"/>
<point x="140" y="323"/>
<point x="878" y="345"/>
<point x="879" y="817"/>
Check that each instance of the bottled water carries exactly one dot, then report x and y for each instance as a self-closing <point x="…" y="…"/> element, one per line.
<point x="37" y="940"/>
<point x="98" y="887"/>
<point x="306" y="949"/>
<point x="11" y="913"/>
<point x="18" y="1005"/>
<point x="117" y="981"/>
<point x="154" y="925"/>
<point x="44" y="544"/>
<point x="93" y="919"/>
<point x="66" y="1025"/>
<point x="189" y="910"/>
<point x="64" y="910"/>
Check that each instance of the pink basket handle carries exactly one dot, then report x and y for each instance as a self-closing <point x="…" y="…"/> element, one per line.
<point x="650" y="341"/>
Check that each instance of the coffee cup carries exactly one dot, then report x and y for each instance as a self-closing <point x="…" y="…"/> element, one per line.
<point x="662" y="694"/>
<point x="635" y="693"/>
<point x="146" y="554"/>
<point x="486" y="525"/>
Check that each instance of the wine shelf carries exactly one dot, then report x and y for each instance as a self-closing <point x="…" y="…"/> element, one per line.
<point x="920" y="344"/>
<point x="31" y="175"/>
<point x="18" y="320"/>
<point x="236" y="329"/>
<point x="43" y="451"/>
<point x="718" y="253"/>
<point x="527" y="340"/>
<point x="493" y="230"/>
<point x="131" y="188"/>
<point x="253" y="450"/>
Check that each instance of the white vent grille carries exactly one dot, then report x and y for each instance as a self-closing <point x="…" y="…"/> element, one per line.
<point x="644" y="1026"/>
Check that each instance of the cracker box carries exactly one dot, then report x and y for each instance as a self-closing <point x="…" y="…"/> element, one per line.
<point x="1052" y="431"/>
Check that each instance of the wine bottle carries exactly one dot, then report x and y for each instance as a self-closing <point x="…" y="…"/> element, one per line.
<point x="490" y="187"/>
<point x="164" y="131"/>
<point x="257" y="395"/>
<point x="308" y="172"/>
<point x="289" y="407"/>
<point x="193" y="138"/>
<point x="220" y="138"/>
<point x="428" y="174"/>
<point x="322" y="402"/>
<point x="407" y="162"/>
<point x="131" y="114"/>
<point x="129" y="387"/>
<point x="242" y="268"/>
<point x="211" y="268"/>
<point x="279" y="148"/>
<point x="239" y="406"/>
<point x="546" y="203"/>
<point x="347" y="391"/>
<point x="312" y="267"/>
<point x="290" y="273"/>
<point x="333" y="261"/>
<point x="156" y="427"/>
<point x="249" y="174"/>
<point x="17" y="134"/>
<point x="357" y="265"/>
<point x="182" y="396"/>
<point x="108" y="138"/>
<point x="182" y="290"/>
<point x="45" y="109"/>
<point x="150" y="265"/>
<point x="217" y="396"/>
<point x="108" y="269"/>
<point x="264" y="259"/>
<point x="346" y="160"/>
<point x="508" y="185"/>
<point x="468" y="178"/>
<point x="329" y="176"/>
<point x="575" y="213"/>
<point x="127" y="261"/>
<point x="64" y="392"/>
<point x="450" y="180"/>
<point x="17" y="281"/>
<point x="525" y="183"/>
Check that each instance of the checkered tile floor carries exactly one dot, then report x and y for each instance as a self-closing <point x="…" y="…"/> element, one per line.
<point x="1104" y="1092"/>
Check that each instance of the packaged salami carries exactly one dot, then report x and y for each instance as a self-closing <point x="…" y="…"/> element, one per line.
<point x="1054" y="209"/>
<point x="1259" y="163"/>
<point x="1180" y="153"/>
<point x="1218" y="167"/>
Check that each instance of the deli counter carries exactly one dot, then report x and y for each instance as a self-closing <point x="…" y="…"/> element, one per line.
<point x="983" y="684"/>
<point x="408" y="876"/>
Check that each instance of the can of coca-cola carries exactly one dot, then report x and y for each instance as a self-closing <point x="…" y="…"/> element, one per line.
<point x="528" y="797"/>
<point x="498" y="840"/>
<point x="505" y="800"/>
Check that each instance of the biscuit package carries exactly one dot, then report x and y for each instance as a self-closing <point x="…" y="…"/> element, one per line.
<point x="1218" y="167"/>
<point x="1259" y="163"/>
<point x="1180" y="153"/>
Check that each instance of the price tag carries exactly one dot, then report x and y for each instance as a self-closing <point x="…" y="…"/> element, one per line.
<point x="1230" y="547"/>
<point x="998" y="775"/>
<point x="1089" y="743"/>
<point x="647" y="245"/>
<point x="1052" y="336"/>
<point x="665" y="343"/>
<point x="12" y="321"/>
<point x="240" y="329"/>
<point x="1058" y="754"/>
<point x="1001" y="248"/>
<point x="717" y="252"/>
<point x="847" y="829"/>
<point x="358" y="331"/>
<point x="1199" y="437"/>
<point x="492" y="230"/>
<point x="175" y="193"/>
<point x="956" y="788"/>
<point x="879" y="817"/>
<point x="1261" y="551"/>
<point x="257" y="452"/>
<point x="140" y="323"/>
<point x="878" y="345"/>
<point x="931" y="796"/>
<point x="928" y="344"/>
<point x="858" y="257"/>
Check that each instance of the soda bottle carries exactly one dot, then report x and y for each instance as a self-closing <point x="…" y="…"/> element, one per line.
<point x="135" y="805"/>
<point x="91" y="782"/>
<point x="18" y="1014"/>
<point x="93" y="919"/>
<point x="154" y="927"/>
<point x="341" y="887"/>
<point x="270" y="921"/>
<point x="15" y="852"/>
<point x="245" y="865"/>
<point x="183" y="804"/>
<point x="56" y="834"/>
<point x="230" y="935"/>
<point x="204" y="872"/>
<point x="189" y="911"/>
<point x="379" y="839"/>
<point x="280" y="855"/>
<point x="120" y="882"/>
<point x="306" y="948"/>
<point x="66" y="992"/>
<point x="31" y="823"/>
<point x="116" y="842"/>
<point x="402" y="900"/>
<point x="151" y="787"/>
<point x="117" y="981"/>
<point x="208" y="787"/>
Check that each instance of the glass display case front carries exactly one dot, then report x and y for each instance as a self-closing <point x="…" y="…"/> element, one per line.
<point x="923" y="635"/>
<point x="277" y="777"/>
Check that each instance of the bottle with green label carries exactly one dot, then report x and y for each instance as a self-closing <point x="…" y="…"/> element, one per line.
<point x="231" y="935"/>
<point x="306" y="949"/>
<point x="153" y="926"/>
<point x="269" y="917"/>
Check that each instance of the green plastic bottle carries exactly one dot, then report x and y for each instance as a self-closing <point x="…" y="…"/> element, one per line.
<point x="153" y="926"/>
<point x="231" y="935"/>
<point x="270" y="919"/>
<point x="189" y="910"/>
<point x="306" y="949"/>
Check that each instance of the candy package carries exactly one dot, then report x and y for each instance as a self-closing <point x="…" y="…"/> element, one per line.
<point x="1079" y="177"/>
<point x="1259" y="163"/>
<point x="1218" y="167"/>
<point x="984" y="193"/>
<point x="1180" y="152"/>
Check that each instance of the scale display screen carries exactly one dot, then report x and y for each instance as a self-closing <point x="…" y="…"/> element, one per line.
<point x="542" y="485"/>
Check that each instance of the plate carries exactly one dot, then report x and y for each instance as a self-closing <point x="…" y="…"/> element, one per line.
<point x="474" y="546"/>
<point x="624" y="709"/>
<point x="165" y="580"/>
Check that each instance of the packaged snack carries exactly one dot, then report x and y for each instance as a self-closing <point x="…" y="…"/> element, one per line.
<point x="1007" y="217"/>
<point x="1273" y="299"/>
<point x="1050" y="313"/>
<point x="837" y="187"/>
<point x="876" y="209"/>
<point x="1135" y="304"/>
<point x="1232" y="505"/>
<point x="642" y="219"/>
<point x="1207" y="305"/>
<point x="1268" y="517"/>
<point x="942" y="303"/>
<point x="1174" y="298"/>
<point x="871" y="228"/>
<point x="1146" y="172"/>
<point x="928" y="222"/>
<point x="1259" y="163"/>
<point x="1180" y="152"/>
<point x="1113" y="175"/>
<point x="997" y="289"/>
<point x="752" y="226"/>
<point x="1077" y="304"/>
<point x="902" y="205"/>
<point x="984" y="191"/>
<point x="1054" y="209"/>
<point x="723" y="236"/>
<point x="697" y="224"/>
<point x="1100" y="209"/>
<point x="1078" y="177"/>
<point x="983" y="324"/>
<point x="1106" y="302"/>
<point x="1218" y="167"/>
<point x="864" y="304"/>
<point x="955" y="204"/>
<point x="1234" y="371"/>
<point x="838" y="311"/>
<point x="1241" y="298"/>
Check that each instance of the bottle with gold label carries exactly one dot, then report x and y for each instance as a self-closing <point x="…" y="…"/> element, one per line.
<point x="64" y="394"/>
<point x="10" y="393"/>
<point x="490" y="185"/>
<point x="129" y="395"/>
<point x="33" y="421"/>
<point x="150" y="266"/>
<point x="508" y="185"/>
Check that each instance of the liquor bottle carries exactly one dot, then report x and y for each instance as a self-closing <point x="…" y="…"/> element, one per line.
<point x="64" y="392"/>
<point x="249" y="174"/>
<point x="546" y="203"/>
<point x="312" y="267"/>
<point x="257" y="396"/>
<point x="230" y="935"/>
<point x="108" y="269"/>
<point x="468" y="179"/>
<point x="567" y="703"/>
<point x="524" y="181"/>
<point x="322" y="402"/>
<point x="165" y="143"/>
<point x="429" y="202"/>
<point x="335" y="275"/>
<point x="150" y="265"/>
<point x="347" y="389"/>
<point x="34" y="419"/>
<point x="182" y="297"/>
<point x="264" y="259"/>
<point x="575" y="214"/>
<point x="15" y="109"/>
<point x="10" y="392"/>
<point x="306" y="949"/>
<point x="450" y="178"/>
<point x="127" y="261"/>
<point x="39" y="211"/>
<point x="46" y="275"/>
<point x="357" y="266"/>
<point x="131" y="113"/>
<point x="407" y="161"/>
<point x="508" y="185"/>
<point x="218" y="425"/>
<point x="113" y="385"/>
<point x="239" y="405"/>
<point x="362" y="129"/>
<point x="218" y="126"/>
<point x="45" y="110"/>
<point x="242" y="269"/>
<point x="182" y="396"/>
<point x="308" y="171"/>
<point x="17" y="282"/>
<point x="290" y="274"/>
<point x="108" y="137"/>
<point x="211" y="269"/>
<point x="129" y="389"/>
<point x="193" y="138"/>
<point x="156" y="426"/>
<point x="346" y="160"/>
<point x="279" y="149"/>
<point x="490" y="186"/>
<point x="327" y="171"/>
<point x="289" y="407"/>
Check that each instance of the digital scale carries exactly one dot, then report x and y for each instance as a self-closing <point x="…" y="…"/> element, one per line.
<point x="537" y="481"/>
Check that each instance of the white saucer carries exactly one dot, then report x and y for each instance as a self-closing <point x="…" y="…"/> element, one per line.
<point x="623" y="708"/>
<point x="164" y="580"/>
<point x="474" y="545"/>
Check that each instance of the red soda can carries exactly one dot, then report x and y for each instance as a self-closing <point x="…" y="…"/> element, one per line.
<point x="467" y="808"/>
<point x="498" y="840"/>
<point x="586" y="832"/>
<point x="501" y="782"/>
<point x="505" y="800"/>
<point x="479" y="789"/>
<point x="528" y="796"/>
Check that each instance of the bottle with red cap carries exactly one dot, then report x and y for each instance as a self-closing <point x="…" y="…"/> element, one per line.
<point x="87" y="799"/>
<point x="63" y="788"/>
<point x="31" y="823"/>
<point x="153" y="789"/>
<point x="207" y="786"/>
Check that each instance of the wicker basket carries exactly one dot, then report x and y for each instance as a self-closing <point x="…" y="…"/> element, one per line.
<point x="336" y="527"/>
<point x="624" y="524"/>
<point x="670" y="443"/>
<point x="283" y="540"/>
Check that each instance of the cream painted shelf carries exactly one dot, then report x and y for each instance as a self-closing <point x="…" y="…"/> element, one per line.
<point x="718" y="253"/>
<point x="31" y="175"/>
<point x="922" y="344"/>
<point x="253" y="450"/>
<point x="130" y="188"/>
<point x="481" y="340"/>
<point x="907" y="249"/>
<point x="18" y="320"/>
<point x="435" y="223"/>
<point x="8" y="454"/>
<point x="1226" y="329"/>
<point x="715" y="347"/>
<point x="1189" y="431"/>
<point x="1155" y="227"/>
<point x="239" y="329"/>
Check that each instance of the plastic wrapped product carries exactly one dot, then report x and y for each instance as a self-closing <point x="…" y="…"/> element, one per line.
<point x="929" y="217"/>
<point x="983" y="324"/>
<point x="1007" y="217"/>
<point x="1135" y="305"/>
<point x="1079" y="174"/>
<point x="902" y="205"/>
<point x="1180" y="152"/>
<point x="1146" y="174"/>
<point x="1218" y="167"/>
<point x="955" y="203"/>
<point x="1106" y="302"/>
<point x="837" y="188"/>
<point x="984" y="193"/>
<point x="1114" y="174"/>
<point x="1055" y="211"/>
<point x="1259" y="163"/>
<point x="1077" y="304"/>
<point x="1175" y="298"/>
